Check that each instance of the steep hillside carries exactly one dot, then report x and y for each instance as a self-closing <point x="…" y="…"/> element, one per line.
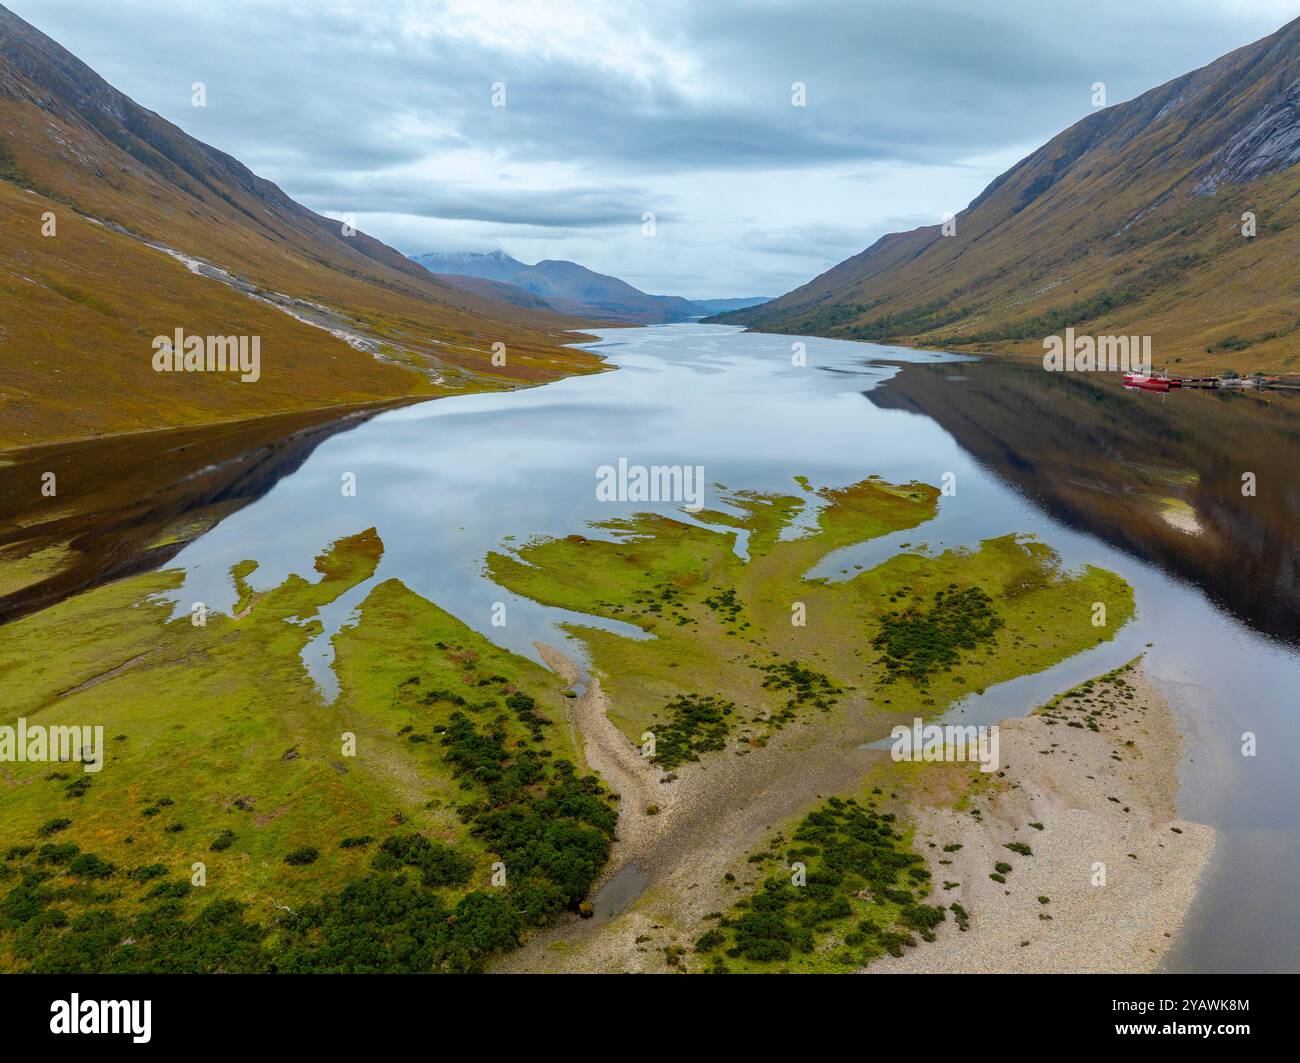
<point x="1128" y="222"/>
<point x="566" y="287"/>
<point x="154" y="231"/>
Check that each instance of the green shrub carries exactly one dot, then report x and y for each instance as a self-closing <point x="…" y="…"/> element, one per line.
<point x="918" y="643"/>
<point x="222" y="841"/>
<point x="696" y="724"/>
<point x="78" y="787"/>
<point x="62" y="853"/>
<point x="88" y="865"/>
<point x="439" y="863"/>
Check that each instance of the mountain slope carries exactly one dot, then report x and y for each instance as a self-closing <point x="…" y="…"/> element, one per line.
<point x="500" y="290"/>
<point x="157" y="231"/>
<point x="1129" y="222"/>
<point x="566" y="287"/>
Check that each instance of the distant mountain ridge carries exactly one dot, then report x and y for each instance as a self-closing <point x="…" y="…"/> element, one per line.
<point x="566" y="287"/>
<point x="720" y="306"/>
<point x="492" y="265"/>
<point x="1129" y="222"/>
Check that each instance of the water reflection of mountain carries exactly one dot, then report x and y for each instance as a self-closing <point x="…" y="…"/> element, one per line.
<point x="1160" y="476"/>
<point x="130" y="503"/>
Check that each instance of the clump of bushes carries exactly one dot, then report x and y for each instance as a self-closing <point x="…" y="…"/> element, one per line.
<point x="806" y="686"/>
<point x="923" y="918"/>
<point x="854" y="858"/>
<point x="222" y="841"/>
<point x="439" y="863"/>
<point x="60" y="853"/>
<point x="725" y="604"/>
<point x="78" y="787"/>
<point x="696" y="724"/>
<point x="88" y="865"/>
<point x="551" y="827"/>
<point x="919" y="642"/>
<point x="525" y="710"/>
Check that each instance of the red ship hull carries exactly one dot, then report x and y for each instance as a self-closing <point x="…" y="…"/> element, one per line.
<point x="1147" y="383"/>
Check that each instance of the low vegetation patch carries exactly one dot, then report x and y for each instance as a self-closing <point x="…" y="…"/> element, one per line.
<point x="919" y="642"/>
<point x="696" y="724"/>
<point x="549" y="827"/>
<point x="862" y="895"/>
<point x="801" y="685"/>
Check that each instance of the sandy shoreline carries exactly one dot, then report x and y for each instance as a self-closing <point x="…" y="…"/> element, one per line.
<point x="1095" y="811"/>
<point x="614" y="759"/>
<point x="1055" y="774"/>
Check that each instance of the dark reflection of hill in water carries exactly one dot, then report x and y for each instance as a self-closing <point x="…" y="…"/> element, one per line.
<point x="130" y="503"/>
<point x="1136" y="469"/>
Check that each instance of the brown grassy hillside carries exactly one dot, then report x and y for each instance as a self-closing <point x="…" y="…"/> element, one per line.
<point x="1129" y="222"/>
<point x="78" y="310"/>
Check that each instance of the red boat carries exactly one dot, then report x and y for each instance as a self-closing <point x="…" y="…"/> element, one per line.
<point x="1149" y="383"/>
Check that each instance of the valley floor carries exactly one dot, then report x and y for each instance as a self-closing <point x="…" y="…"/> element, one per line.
<point x="455" y="761"/>
<point x="1112" y="873"/>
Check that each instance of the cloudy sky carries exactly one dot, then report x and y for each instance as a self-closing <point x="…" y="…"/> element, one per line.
<point x="684" y="108"/>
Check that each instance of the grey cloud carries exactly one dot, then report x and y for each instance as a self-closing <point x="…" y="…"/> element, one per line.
<point x="819" y="241"/>
<point x="919" y="80"/>
<point x="337" y="103"/>
<point x="545" y="207"/>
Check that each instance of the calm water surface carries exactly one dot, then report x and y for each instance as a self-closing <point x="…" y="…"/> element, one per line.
<point x="447" y="481"/>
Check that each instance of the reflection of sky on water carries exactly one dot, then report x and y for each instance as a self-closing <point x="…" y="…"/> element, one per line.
<point x="446" y="481"/>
